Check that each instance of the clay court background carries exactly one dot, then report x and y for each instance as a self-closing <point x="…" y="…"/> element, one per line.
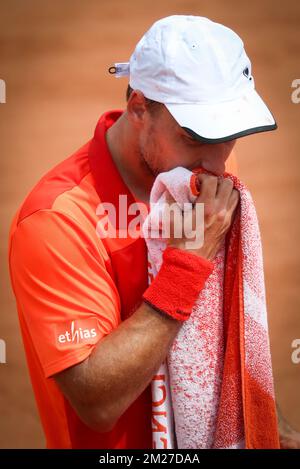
<point x="54" y="57"/>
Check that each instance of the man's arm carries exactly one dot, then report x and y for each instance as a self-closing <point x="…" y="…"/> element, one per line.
<point x="103" y="386"/>
<point x="123" y="363"/>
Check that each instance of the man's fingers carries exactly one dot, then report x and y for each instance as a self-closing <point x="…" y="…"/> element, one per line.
<point x="208" y="187"/>
<point x="208" y="190"/>
<point x="224" y="191"/>
<point x="172" y="218"/>
<point x="233" y="201"/>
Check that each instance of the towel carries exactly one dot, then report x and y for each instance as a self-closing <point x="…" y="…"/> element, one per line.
<point x="215" y="387"/>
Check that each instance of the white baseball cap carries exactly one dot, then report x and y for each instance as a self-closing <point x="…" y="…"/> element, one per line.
<point x="200" y="71"/>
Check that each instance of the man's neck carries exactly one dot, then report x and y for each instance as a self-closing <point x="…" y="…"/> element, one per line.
<point x="124" y="150"/>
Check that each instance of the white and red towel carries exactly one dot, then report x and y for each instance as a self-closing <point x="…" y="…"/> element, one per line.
<point x="215" y="389"/>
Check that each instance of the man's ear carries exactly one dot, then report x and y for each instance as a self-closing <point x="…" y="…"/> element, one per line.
<point x="136" y="107"/>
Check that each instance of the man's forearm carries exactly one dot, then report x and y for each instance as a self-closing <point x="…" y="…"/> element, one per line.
<point x="123" y="363"/>
<point x="121" y="367"/>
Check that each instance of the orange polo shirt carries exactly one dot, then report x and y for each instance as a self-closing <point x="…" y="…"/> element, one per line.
<point x="73" y="287"/>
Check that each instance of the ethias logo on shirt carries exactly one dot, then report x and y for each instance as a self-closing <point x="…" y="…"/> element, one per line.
<point x="78" y="332"/>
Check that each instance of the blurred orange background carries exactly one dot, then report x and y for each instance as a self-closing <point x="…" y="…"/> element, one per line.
<point x="54" y="60"/>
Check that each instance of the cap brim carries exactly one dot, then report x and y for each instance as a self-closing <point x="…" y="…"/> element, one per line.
<point x="221" y="122"/>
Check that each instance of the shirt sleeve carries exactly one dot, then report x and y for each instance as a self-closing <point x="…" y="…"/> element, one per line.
<point x="64" y="292"/>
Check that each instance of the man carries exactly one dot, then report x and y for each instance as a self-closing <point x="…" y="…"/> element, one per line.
<point x="92" y="341"/>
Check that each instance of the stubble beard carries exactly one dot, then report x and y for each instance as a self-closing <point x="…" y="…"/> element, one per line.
<point x="148" y="162"/>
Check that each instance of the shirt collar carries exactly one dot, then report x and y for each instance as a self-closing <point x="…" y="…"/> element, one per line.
<point x="108" y="181"/>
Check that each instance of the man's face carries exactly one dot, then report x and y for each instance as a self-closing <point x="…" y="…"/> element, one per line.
<point x="164" y="145"/>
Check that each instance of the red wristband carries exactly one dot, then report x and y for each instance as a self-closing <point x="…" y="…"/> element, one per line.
<point x="178" y="283"/>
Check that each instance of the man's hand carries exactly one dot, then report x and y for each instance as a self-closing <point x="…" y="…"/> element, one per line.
<point x="220" y="200"/>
